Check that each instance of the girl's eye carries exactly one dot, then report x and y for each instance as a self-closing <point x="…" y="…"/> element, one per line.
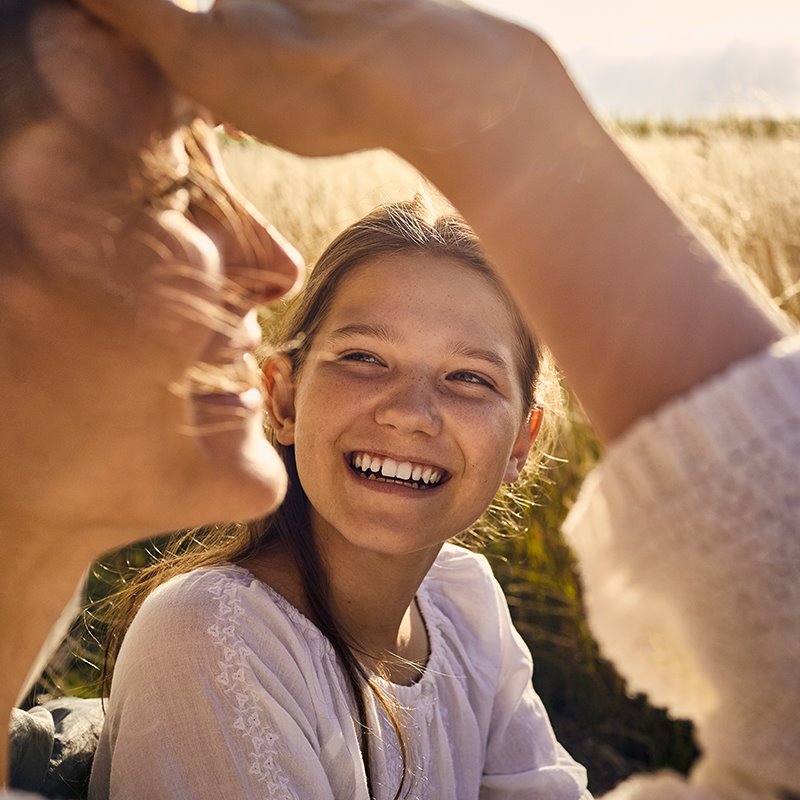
<point x="361" y="357"/>
<point x="470" y="378"/>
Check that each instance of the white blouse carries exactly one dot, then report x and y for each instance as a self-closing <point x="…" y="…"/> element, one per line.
<point x="225" y="690"/>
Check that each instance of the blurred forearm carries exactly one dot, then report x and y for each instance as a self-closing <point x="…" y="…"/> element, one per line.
<point x="634" y="307"/>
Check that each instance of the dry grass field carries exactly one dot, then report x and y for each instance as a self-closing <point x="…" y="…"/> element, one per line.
<point x="740" y="183"/>
<point x="311" y="199"/>
<point x="742" y="189"/>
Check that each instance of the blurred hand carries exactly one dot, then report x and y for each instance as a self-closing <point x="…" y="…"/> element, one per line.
<point x="322" y="77"/>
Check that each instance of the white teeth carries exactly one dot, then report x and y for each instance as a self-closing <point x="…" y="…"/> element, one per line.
<point x="389" y="468"/>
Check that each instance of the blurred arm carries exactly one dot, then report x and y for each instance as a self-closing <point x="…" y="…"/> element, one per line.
<point x="635" y="308"/>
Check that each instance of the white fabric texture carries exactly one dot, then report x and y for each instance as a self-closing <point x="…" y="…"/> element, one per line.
<point x="224" y="690"/>
<point x="688" y="540"/>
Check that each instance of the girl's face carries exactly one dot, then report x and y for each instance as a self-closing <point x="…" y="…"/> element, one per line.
<point x="408" y="410"/>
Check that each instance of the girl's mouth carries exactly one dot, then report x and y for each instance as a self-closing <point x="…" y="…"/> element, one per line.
<point x="404" y="473"/>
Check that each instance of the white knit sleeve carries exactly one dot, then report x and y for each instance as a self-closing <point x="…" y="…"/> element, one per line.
<point x="197" y="712"/>
<point x="688" y="538"/>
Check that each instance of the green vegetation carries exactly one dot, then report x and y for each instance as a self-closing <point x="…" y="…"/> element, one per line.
<point x="737" y="180"/>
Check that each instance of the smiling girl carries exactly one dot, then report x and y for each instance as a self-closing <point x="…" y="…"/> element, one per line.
<point x="340" y="648"/>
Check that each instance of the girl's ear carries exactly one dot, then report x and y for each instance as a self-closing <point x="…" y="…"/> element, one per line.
<point x="522" y="446"/>
<point x="279" y="396"/>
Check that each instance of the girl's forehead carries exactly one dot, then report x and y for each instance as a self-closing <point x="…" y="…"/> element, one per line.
<point x="416" y="276"/>
<point x="437" y="304"/>
<point x="413" y="292"/>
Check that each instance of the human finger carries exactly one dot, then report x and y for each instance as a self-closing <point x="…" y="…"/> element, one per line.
<point x="252" y="63"/>
<point x="233" y="132"/>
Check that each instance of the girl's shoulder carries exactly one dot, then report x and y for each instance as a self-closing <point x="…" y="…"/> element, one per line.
<point x="226" y="605"/>
<point x="457" y="568"/>
<point x="469" y="624"/>
<point x="462" y="593"/>
<point x="201" y="593"/>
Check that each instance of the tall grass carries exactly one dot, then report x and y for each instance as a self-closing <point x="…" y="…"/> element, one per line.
<point x="741" y="185"/>
<point x="741" y="189"/>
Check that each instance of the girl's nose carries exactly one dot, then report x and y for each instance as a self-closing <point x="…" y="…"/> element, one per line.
<point x="409" y="405"/>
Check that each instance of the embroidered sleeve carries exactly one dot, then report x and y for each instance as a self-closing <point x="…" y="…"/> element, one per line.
<point x="197" y="712"/>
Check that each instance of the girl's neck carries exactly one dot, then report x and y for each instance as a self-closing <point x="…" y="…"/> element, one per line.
<point x="404" y="662"/>
<point x="373" y="600"/>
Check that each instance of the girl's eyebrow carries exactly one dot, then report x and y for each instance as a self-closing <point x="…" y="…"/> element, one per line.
<point x="481" y="354"/>
<point x="373" y="330"/>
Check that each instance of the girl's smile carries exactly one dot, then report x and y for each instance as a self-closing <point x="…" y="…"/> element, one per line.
<point x="397" y="470"/>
